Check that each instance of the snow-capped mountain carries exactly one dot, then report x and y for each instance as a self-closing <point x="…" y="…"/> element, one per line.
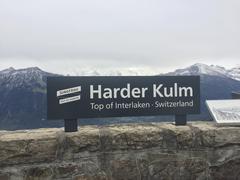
<point x="130" y="71"/>
<point x="234" y="73"/>
<point x="195" y="69"/>
<point x="22" y="97"/>
<point x="212" y="70"/>
<point x="32" y="77"/>
<point x="23" y="92"/>
<point x="36" y="74"/>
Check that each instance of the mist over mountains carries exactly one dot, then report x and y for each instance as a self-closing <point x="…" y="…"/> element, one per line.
<point x="212" y="70"/>
<point x="23" y="94"/>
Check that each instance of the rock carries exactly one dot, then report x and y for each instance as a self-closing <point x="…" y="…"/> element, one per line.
<point x="148" y="151"/>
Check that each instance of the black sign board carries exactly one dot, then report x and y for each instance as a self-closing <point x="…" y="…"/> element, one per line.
<point x="118" y="96"/>
<point x="235" y="95"/>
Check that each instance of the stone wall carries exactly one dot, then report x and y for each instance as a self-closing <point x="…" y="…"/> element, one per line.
<point x="151" y="151"/>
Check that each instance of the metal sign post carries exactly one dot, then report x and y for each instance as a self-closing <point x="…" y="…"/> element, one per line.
<point x="235" y="95"/>
<point x="70" y="125"/>
<point x="180" y="119"/>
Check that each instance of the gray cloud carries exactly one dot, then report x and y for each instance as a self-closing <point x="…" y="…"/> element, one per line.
<point x="157" y="33"/>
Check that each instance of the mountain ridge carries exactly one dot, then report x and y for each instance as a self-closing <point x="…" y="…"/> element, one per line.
<point x="212" y="70"/>
<point x="195" y="69"/>
<point x="23" y="95"/>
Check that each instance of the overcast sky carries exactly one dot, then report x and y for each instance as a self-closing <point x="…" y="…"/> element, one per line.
<point x="66" y="35"/>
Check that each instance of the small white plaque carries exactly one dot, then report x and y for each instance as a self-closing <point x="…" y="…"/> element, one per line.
<point x="68" y="91"/>
<point x="70" y="99"/>
<point x="225" y="111"/>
